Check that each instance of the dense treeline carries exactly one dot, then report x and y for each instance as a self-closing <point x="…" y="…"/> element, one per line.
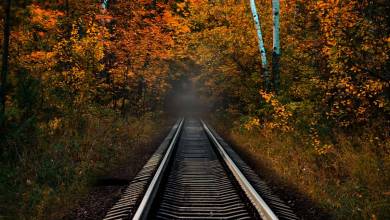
<point x="327" y="130"/>
<point x="113" y="57"/>
<point x="84" y="82"/>
<point x="335" y="56"/>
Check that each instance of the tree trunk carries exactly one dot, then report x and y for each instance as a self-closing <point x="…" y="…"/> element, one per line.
<point x="105" y="4"/>
<point x="264" y="63"/>
<point x="4" y="69"/>
<point x="276" y="45"/>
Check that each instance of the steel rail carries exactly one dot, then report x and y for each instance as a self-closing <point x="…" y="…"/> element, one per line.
<point x="150" y="194"/>
<point x="261" y="206"/>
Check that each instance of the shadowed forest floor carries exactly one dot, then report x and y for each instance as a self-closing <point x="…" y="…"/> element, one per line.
<point x="107" y="187"/>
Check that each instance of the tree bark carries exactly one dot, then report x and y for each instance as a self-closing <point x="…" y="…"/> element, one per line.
<point x="276" y="45"/>
<point x="4" y="69"/>
<point x="264" y="62"/>
<point x="105" y="4"/>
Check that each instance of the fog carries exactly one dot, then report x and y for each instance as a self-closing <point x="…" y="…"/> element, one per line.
<point x="184" y="100"/>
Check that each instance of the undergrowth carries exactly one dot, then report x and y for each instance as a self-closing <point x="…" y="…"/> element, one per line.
<point x="45" y="171"/>
<point x="349" y="179"/>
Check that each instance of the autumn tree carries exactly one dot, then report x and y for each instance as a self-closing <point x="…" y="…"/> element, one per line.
<point x="142" y="43"/>
<point x="69" y="58"/>
<point x="336" y="57"/>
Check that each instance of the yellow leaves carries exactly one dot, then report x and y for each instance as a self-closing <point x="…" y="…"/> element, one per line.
<point x="38" y="62"/>
<point x="40" y="55"/>
<point x="354" y="101"/>
<point x="380" y="102"/>
<point x="174" y="23"/>
<point x="266" y="96"/>
<point x="146" y="38"/>
<point x="181" y="6"/>
<point x="361" y="110"/>
<point x="83" y="54"/>
<point x="335" y="19"/>
<point x="183" y="29"/>
<point x="320" y="149"/>
<point x="353" y="92"/>
<point x="325" y="149"/>
<point x="280" y="114"/>
<point x="252" y="123"/>
<point x="90" y="46"/>
<point x="374" y="86"/>
<point x="170" y="19"/>
<point x="54" y="124"/>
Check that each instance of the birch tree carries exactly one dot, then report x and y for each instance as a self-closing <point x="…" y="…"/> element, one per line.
<point x="105" y="4"/>
<point x="264" y="63"/>
<point x="276" y="45"/>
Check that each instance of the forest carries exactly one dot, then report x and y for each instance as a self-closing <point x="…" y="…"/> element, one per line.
<point x="88" y="84"/>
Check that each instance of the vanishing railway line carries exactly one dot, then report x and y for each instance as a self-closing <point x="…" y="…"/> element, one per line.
<point x="194" y="174"/>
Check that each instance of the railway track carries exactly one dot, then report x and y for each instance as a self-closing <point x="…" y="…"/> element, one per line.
<point x="194" y="174"/>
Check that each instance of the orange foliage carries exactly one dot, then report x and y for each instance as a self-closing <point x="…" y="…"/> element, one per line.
<point x="47" y="18"/>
